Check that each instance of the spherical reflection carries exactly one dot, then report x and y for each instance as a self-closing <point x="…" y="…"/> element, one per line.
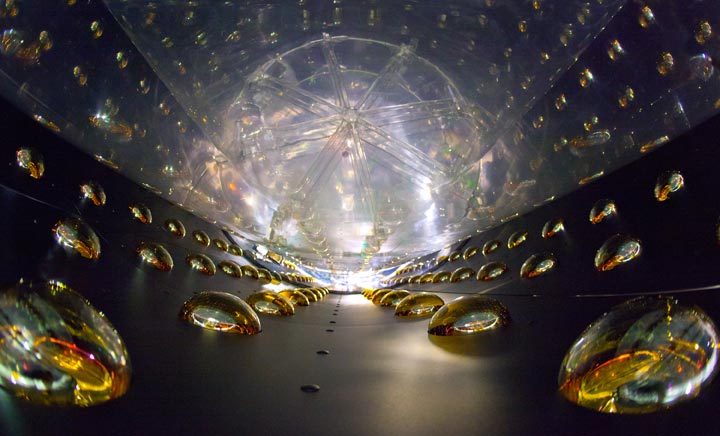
<point x="94" y="192"/>
<point x="141" y="213"/>
<point x="602" y="209"/>
<point x="537" y="265"/>
<point x="490" y="247"/>
<point x="491" y="271"/>
<point x="235" y="250"/>
<point x="271" y="303"/>
<point x="175" y="227"/>
<point x="427" y="278"/>
<point x="392" y="298"/>
<point x="667" y="183"/>
<point x="552" y="228"/>
<point x="155" y="255"/>
<point x="201" y="238"/>
<point x="32" y="161"/>
<point x="201" y="263"/>
<point x="231" y="268"/>
<point x="642" y="356"/>
<point x="516" y="239"/>
<point x="264" y="275"/>
<point x="379" y="294"/>
<point x="470" y="252"/>
<point x="311" y="296"/>
<point x="220" y="244"/>
<point x="462" y="274"/>
<point x="418" y="305"/>
<point x="442" y="277"/>
<point x="250" y="271"/>
<point x="296" y="297"/>
<point x="57" y="349"/>
<point x="616" y="250"/>
<point x="77" y="235"/>
<point x="222" y="312"/>
<point x="469" y="315"/>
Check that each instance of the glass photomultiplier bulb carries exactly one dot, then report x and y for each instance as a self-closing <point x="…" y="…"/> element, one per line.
<point x="96" y="29"/>
<point x="94" y="192"/>
<point x="230" y="268"/>
<point x="32" y="161"/>
<point x="442" y="277"/>
<point x="77" y="235"/>
<point x="250" y="271"/>
<point x="667" y="183"/>
<point x="175" y="227"/>
<point x="491" y="271"/>
<point x="537" y="265"/>
<point x="490" y="247"/>
<point x="643" y="356"/>
<point x="470" y="252"/>
<point x="616" y="250"/>
<point x="271" y="303"/>
<point x="141" y="213"/>
<point x="379" y="294"/>
<point x="392" y="298"/>
<point x="601" y="210"/>
<point x="311" y="296"/>
<point x="222" y="312"/>
<point x="201" y="263"/>
<point x="418" y="305"/>
<point x="57" y="349"/>
<point x="552" y="228"/>
<point x="462" y="274"/>
<point x="201" y="237"/>
<point x="318" y="293"/>
<point x="264" y="275"/>
<point x="296" y="297"/>
<point x="517" y="239"/>
<point x="427" y="278"/>
<point x="469" y="315"/>
<point x="235" y="250"/>
<point x="220" y="244"/>
<point x="155" y="255"/>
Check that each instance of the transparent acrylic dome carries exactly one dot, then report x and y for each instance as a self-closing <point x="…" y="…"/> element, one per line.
<point x="353" y="136"/>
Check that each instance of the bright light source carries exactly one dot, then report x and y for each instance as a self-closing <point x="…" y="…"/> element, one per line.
<point x="261" y="249"/>
<point x="425" y="193"/>
<point x="431" y="212"/>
